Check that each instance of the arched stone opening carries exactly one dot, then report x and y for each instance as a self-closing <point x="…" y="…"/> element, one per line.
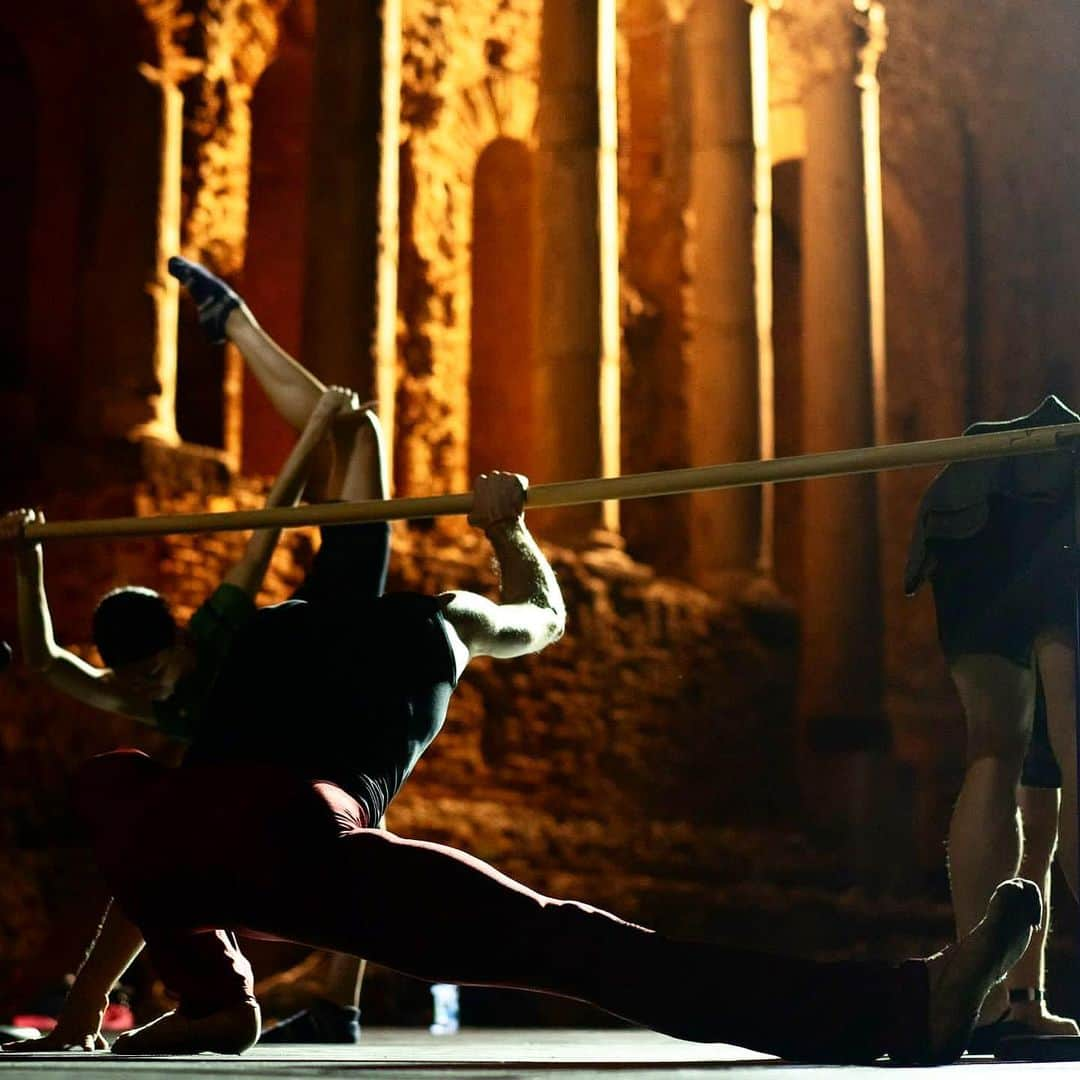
<point x="502" y="390"/>
<point x="273" y="279"/>
<point x="787" y="348"/>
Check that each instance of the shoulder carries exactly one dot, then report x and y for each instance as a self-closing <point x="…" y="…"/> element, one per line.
<point x="227" y="609"/>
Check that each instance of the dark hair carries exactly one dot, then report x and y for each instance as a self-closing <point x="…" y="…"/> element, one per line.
<point x="131" y="624"/>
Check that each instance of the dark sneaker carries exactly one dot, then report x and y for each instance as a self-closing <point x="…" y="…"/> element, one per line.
<point x="324" y="1022"/>
<point x="214" y="299"/>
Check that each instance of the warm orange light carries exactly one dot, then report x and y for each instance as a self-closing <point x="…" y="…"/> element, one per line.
<point x="763" y="283"/>
<point x="165" y="289"/>
<point x="608" y="179"/>
<point x="870" y="103"/>
<point x="387" y="258"/>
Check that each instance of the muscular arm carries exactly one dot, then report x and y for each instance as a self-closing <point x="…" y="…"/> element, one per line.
<point x="530" y="614"/>
<point x="249" y="572"/>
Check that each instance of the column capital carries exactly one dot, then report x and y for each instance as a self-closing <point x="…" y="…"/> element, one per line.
<point x="875" y="37"/>
<point x="171" y="26"/>
<point x="824" y="38"/>
<point x="221" y="54"/>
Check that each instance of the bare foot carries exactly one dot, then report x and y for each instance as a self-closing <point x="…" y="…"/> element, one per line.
<point x="231" y="1031"/>
<point x="961" y="975"/>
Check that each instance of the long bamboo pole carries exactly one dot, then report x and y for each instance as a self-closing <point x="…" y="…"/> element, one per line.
<point x="574" y="492"/>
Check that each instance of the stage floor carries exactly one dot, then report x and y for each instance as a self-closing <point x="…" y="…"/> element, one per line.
<point x="490" y="1054"/>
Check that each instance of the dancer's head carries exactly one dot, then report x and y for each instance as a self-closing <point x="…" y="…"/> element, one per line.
<point x="135" y="632"/>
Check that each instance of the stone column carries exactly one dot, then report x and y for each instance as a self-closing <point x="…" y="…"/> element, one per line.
<point x="569" y="325"/>
<point x="842" y="625"/>
<point x="230" y="51"/>
<point x="350" y="299"/>
<point x="722" y="355"/>
<point x="130" y="312"/>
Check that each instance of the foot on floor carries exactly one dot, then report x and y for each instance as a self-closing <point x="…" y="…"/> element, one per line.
<point x="323" y="1022"/>
<point x="231" y="1031"/>
<point x="962" y="975"/>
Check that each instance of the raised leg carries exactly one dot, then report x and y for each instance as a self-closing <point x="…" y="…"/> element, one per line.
<point x="357" y="471"/>
<point x="293" y="389"/>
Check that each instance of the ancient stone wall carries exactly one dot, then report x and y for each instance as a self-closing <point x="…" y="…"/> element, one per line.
<point x="655" y="181"/>
<point x="469" y="76"/>
<point x="650" y="760"/>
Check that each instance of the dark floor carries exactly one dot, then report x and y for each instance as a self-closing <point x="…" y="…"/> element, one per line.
<point x="409" y="1054"/>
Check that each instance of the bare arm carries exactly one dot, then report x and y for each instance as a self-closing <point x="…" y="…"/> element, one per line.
<point x="530" y="614"/>
<point x="249" y="572"/>
<point x="78" y="1027"/>
<point x="61" y="669"/>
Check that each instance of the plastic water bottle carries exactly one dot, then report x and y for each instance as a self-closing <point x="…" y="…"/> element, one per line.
<point x="445" y="1000"/>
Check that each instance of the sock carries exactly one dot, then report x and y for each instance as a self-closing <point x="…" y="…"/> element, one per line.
<point x="212" y="296"/>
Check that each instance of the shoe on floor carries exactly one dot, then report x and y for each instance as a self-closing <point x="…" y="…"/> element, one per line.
<point x="985" y="1039"/>
<point x="323" y="1022"/>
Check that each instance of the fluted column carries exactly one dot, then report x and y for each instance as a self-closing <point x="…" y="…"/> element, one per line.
<point x="576" y="346"/>
<point x="842" y="635"/>
<point x="350" y="298"/>
<point x="722" y="355"/>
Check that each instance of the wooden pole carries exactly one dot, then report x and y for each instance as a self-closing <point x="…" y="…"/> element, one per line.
<point x="577" y="492"/>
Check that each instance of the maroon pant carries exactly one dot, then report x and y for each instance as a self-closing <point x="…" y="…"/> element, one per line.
<point x="196" y="855"/>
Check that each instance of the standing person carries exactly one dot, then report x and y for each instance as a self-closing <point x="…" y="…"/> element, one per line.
<point x="991" y="537"/>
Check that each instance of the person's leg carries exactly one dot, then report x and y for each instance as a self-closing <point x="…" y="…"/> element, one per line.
<point x="440" y="915"/>
<point x="212" y="981"/>
<point x="122" y="800"/>
<point x="984" y="833"/>
<point x="305" y="869"/>
<point x="1039" y="796"/>
<point x="357" y="471"/>
<point x="293" y="390"/>
<point x="1039" y="813"/>
<point x="1026" y="983"/>
<point x="1054" y="651"/>
<point x="330" y="998"/>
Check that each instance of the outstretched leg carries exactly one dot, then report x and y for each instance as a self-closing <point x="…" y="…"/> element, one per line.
<point x="299" y="871"/>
